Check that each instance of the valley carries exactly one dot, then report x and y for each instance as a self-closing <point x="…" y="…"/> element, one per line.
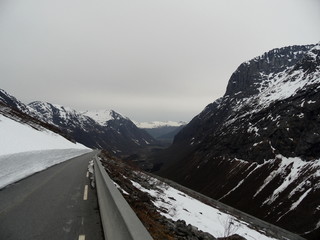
<point x="255" y="149"/>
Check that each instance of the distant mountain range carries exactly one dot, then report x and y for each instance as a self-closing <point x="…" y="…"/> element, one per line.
<point x="162" y="131"/>
<point x="110" y="131"/>
<point x="28" y="145"/>
<point x="258" y="147"/>
<point x="159" y="124"/>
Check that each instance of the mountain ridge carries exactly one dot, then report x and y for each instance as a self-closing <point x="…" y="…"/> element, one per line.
<point x="120" y="136"/>
<point x="267" y="124"/>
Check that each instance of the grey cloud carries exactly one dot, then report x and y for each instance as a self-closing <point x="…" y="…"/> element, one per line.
<point x="147" y="59"/>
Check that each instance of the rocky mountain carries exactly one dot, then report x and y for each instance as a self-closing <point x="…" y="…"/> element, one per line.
<point x="258" y="147"/>
<point x="11" y="102"/>
<point x="14" y="113"/>
<point x="102" y="116"/>
<point x="28" y="145"/>
<point x="119" y="135"/>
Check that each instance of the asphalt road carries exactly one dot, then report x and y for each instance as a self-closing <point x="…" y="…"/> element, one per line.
<point x="52" y="205"/>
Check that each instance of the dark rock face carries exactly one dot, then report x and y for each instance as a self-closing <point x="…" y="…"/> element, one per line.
<point x="18" y="116"/>
<point x="233" y="237"/>
<point x="184" y="231"/>
<point x="12" y="102"/>
<point x="258" y="147"/>
<point x="251" y="73"/>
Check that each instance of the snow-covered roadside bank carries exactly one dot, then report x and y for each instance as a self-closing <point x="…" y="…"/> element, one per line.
<point x="25" y="150"/>
<point x="18" y="137"/>
<point x="170" y="211"/>
<point x="15" y="167"/>
<point x="177" y="205"/>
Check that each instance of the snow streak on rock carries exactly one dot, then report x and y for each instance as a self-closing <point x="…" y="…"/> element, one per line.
<point x="268" y="118"/>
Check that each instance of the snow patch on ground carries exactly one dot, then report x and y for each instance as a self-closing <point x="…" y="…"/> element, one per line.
<point x="120" y="188"/>
<point x="176" y="205"/>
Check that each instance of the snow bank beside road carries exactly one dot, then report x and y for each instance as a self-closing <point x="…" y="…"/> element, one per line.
<point x="17" y="137"/>
<point x="15" y="167"/>
<point x="177" y="205"/>
<point x="25" y="150"/>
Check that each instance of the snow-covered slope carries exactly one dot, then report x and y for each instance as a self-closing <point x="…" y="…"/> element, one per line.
<point x="103" y="116"/>
<point x="17" y="137"/>
<point x="26" y="148"/>
<point x="177" y="205"/>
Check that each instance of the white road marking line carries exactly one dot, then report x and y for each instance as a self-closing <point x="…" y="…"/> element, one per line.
<point x="85" y="194"/>
<point x="87" y="174"/>
<point x="82" y="237"/>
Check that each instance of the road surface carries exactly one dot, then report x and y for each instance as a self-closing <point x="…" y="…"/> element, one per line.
<point x="55" y="204"/>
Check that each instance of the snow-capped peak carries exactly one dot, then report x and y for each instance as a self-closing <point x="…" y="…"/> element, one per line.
<point x="103" y="116"/>
<point x="50" y="113"/>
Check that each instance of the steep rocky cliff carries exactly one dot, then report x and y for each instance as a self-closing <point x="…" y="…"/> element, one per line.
<point x="258" y="147"/>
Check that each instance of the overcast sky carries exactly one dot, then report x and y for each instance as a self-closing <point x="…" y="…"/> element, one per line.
<point x="147" y="59"/>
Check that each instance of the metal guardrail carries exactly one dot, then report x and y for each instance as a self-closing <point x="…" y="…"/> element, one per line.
<point x="118" y="219"/>
<point x="121" y="223"/>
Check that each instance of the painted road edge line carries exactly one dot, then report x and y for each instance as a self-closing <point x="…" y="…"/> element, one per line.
<point x="85" y="194"/>
<point x="82" y="237"/>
